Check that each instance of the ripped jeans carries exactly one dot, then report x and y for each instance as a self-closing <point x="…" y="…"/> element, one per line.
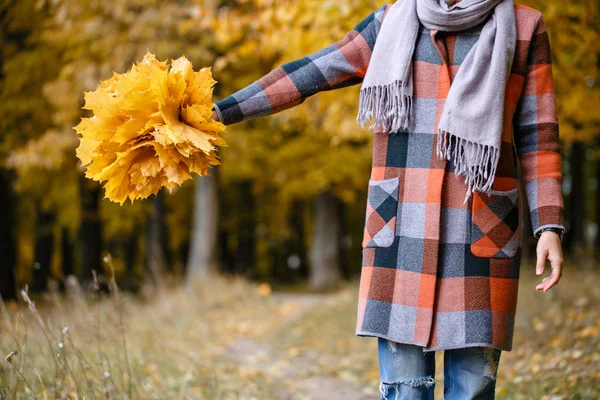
<point x="408" y="373"/>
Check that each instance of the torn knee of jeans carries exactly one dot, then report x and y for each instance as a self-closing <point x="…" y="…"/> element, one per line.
<point x="427" y="381"/>
<point x="491" y="366"/>
<point x="392" y="345"/>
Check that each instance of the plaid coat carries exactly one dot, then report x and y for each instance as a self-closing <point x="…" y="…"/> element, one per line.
<point x="437" y="273"/>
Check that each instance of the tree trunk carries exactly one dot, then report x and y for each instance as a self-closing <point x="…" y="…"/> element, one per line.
<point x="575" y="240"/>
<point x="246" y="227"/>
<point x="44" y="244"/>
<point x="202" y="260"/>
<point x="297" y="245"/>
<point x="597" y="238"/>
<point x="290" y="263"/>
<point x="67" y="261"/>
<point x="325" y="251"/>
<point x="90" y="232"/>
<point x="67" y="249"/>
<point x="352" y="232"/>
<point x="131" y="280"/>
<point x="225" y="256"/>
<point x="8" y="258"/>
<point x="157" y="249"/>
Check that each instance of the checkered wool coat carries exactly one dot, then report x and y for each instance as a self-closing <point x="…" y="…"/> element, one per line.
<point x="437" y="273"/>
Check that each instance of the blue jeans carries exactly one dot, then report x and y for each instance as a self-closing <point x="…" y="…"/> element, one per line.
<point x="408" y="373"/>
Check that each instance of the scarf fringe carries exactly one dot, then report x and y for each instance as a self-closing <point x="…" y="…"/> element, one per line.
<point x="389" y="105"/>
<point x="474" y="166"/>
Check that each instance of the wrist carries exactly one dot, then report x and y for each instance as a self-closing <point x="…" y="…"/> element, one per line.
<point x="556" y="230"/>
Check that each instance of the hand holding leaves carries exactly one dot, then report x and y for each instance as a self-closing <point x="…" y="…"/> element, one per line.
<point x="215" y="115"/>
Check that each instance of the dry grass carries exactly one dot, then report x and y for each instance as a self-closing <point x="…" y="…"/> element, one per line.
<point x="177" y="343"/>
<point x="168" y="347"/>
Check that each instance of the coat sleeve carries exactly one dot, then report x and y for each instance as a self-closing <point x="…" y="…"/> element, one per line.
<point x="537" y="136"/>
<point x="343" y="63"/>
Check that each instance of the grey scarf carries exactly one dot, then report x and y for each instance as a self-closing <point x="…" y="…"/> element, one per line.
<point x="470" y="128"/>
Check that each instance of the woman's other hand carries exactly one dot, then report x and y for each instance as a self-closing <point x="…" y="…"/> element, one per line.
<point x="549" y="248"/>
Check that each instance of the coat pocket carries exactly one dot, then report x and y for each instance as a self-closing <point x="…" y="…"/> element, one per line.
<point x="495" y="224"/>
<point x="382" y="205"/>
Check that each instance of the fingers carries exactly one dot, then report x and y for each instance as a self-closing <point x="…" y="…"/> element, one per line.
<point x="549" y="281"/>
<point x="556" y="261"/>
<point x="554" y="254"/>
<point x="542" y="253"/>
<point x="542" y="285"/>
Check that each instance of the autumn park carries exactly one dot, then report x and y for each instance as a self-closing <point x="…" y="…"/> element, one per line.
<point x="149" y="251"/>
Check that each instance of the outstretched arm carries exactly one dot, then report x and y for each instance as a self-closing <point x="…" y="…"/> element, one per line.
<point x="538" y="147"/>
<point x="343" y="63"/>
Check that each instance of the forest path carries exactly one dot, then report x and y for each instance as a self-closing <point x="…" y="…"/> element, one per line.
<point x="297" y="377"/>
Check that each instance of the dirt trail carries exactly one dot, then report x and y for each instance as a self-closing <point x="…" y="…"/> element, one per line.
<point x="295" y="377"/>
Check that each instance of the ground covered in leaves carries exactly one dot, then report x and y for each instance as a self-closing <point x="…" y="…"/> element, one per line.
<point x="230" y="339"/>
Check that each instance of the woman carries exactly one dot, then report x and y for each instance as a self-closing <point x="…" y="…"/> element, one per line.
<point x="458" y="92"/>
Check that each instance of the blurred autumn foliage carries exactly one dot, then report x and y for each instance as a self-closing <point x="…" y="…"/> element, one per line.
<point x="280" y="176"/>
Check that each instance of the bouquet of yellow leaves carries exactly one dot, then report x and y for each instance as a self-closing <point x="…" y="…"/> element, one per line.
<point x="151" y="127"/>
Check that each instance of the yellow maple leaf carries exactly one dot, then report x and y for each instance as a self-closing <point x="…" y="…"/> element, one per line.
<point x="152" y="127"/>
